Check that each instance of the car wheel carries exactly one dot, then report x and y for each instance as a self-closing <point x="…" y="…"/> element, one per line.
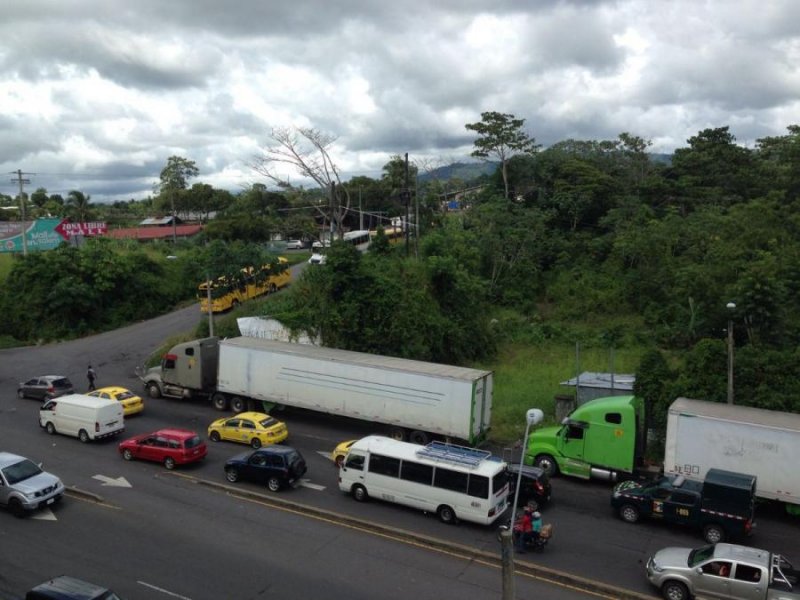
<point x="15" y="507"/>
<point x="547" y="464"/>
<point x="232" y="475"/>
<point x="83" y="436"/>
<point x="127" y="454"/>
<point x="219" y="401"/>
<point x="214" y="435"/>
<point x="629" y="513"/>
<point x="169" y="463"/>
<point x="153" y="390"/>
<point x="255" y="443"/>
<point x="713" y="534"/>
<point x="274" y="484"/>
<point x="446" y="514"/>
<point x="360" y="493"/>
<point x="50" y="428"/>
<point x="339" y="461"/>
<point x="237" y="404"/>
<point x="418" y="437"/>
<point x="675" y="590"/>
<point x="21" y="394"/>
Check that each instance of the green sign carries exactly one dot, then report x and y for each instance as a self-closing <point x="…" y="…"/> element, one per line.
<point x="39" y="235"/>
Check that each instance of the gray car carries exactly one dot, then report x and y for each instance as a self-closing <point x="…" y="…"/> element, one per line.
<point x="24" y="486"/>
<point x="726" y="571"/>
<point x="45" y="387"/>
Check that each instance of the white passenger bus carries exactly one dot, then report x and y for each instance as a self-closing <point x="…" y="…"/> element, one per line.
<point x="453" y="481"/>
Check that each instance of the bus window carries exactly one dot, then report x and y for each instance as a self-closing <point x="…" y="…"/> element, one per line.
<point x="416" y="472"/>
<point x="478" y="486"/>
<point x="355" y="461"/>
<point x="384" y="465"/>
<point x="450" y="480"/>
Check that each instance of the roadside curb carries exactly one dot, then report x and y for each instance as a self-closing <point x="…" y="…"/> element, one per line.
<point x="521" y="566"/>
<point x="85" y="495"/>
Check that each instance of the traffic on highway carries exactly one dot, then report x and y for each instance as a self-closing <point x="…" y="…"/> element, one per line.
<point x="170" y="508"/>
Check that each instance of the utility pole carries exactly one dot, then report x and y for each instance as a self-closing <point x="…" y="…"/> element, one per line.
<point x="174" y="219"/>
<point x="22" y="203"/>
<point x="333" y="200"/>
<point x="407" y="195"/>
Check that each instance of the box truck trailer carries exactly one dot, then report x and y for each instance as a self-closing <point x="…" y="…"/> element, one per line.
<point x="416" y="400"/>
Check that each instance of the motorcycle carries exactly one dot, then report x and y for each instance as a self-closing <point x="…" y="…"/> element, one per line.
<point x="536" y="543"/>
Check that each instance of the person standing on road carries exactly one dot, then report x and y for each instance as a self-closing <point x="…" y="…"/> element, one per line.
<point x="525" y="527"/>
<point x="91" y="376"/>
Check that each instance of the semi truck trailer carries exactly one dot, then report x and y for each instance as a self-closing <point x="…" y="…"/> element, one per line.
<point x="415" y="400"/>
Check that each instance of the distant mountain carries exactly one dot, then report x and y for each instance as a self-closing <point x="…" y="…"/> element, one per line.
<point x="464" y="171"/>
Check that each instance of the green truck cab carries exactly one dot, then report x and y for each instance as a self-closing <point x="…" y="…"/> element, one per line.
<point x="722" y="505"/>
<point x="600" y="439"/>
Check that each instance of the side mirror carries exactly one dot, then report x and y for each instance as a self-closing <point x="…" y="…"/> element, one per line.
<point x="699" y="570"/>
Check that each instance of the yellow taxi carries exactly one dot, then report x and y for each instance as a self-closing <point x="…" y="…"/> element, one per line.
<point x="254" y="428"/>
<point x="131" y="403"/>
<point x="338" y="454"/>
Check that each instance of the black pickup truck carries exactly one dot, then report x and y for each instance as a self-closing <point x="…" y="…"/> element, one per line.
<point x="722" y="505"/>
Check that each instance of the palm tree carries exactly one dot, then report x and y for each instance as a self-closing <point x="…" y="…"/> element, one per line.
<point x="79" y="205"/>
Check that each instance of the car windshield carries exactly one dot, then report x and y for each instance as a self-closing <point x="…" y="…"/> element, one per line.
<point x="701" y="554"/>
<point x="20" y="471"/>
<point x="193" y="442"/>
<point x="268" y="422"/>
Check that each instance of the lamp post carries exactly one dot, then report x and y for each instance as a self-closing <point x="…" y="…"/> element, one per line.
<point x="534" y="416"/>
<point x="731" y="307"/>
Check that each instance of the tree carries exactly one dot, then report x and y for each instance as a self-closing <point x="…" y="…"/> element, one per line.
<point x="307" y="151"/>
<point x="173" y="180"/>
<point x="39" y="197"/>
<point x="501" y="135"/>
<point x="79" y="205"/>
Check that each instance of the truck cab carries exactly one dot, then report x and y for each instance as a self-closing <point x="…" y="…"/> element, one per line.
<point x="600" y="439"/>
<point x="722" y="505"/>
<point x="187" y="370"/>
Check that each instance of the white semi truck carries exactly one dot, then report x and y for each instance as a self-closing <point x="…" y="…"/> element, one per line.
<point x="766" y="443"/>
<point x="416" y="400"/>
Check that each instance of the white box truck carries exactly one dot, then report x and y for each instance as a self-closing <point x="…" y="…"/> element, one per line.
<point x="765" y="443"/>
<point x="85" y="417"/>
<point x="415" y="399"/>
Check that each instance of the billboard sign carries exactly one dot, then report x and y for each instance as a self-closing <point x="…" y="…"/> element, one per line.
<point x="43" y="234"/>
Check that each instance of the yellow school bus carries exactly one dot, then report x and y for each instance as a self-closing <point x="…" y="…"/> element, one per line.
<point x="227" y="293"/>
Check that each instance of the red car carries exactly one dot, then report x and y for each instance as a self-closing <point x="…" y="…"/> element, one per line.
<point x="169" y="446"/>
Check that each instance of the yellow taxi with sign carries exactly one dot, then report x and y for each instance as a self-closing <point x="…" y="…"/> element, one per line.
<point x="338" y="454"/>
<point x="131" y="403"/>
<point x="253" y="428"/>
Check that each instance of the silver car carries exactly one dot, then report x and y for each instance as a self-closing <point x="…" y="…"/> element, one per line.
<point x="727" y="571"/>
<point x="24" y="486"/>
<point x="45" y="387"/>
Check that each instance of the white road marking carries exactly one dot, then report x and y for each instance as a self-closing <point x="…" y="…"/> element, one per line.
<point x="162" y="590"/>
<point x="44" y="514"/>
<point x="307" y="483"/>
<point x="110" y="481"/>
<point x="325" y="454"/>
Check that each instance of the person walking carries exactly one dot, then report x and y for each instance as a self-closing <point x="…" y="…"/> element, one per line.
<point x="91" y="375"/>
<point x="525" y="526"/>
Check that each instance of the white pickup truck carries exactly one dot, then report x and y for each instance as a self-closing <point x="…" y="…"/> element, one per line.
<point x="724" y="571"/>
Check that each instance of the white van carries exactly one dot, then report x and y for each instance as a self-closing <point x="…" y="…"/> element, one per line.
<point x="82" y="416"/>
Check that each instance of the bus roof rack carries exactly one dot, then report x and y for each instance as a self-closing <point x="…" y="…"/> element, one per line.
<point x="459" y="455"/>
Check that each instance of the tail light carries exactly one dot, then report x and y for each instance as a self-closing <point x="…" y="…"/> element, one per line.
<point x="748" y="526"/>
<point x="50" y="389"/>
<point x="538" y="485"/>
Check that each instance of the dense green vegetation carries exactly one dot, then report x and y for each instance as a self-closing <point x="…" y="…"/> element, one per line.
<point x="587" y="242"/>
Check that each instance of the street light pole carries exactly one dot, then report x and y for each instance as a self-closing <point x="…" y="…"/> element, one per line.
<point x="731" y="307"/>
<point x="534" y="416"/>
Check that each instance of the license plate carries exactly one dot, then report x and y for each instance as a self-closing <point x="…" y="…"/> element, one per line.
<point x="50" y="501"/>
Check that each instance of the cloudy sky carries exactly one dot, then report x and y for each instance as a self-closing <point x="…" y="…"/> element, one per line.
<point x="95" y="95"/>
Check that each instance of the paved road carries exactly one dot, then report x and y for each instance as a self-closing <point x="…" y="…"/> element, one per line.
<point x="588" y="540"/>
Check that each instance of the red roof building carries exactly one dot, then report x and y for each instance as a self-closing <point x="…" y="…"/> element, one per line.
<point x="146" y="234"/>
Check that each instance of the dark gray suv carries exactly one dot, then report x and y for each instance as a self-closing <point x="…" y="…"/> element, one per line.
<point x="45" y="387"/>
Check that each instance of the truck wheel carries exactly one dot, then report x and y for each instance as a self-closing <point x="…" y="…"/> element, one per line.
<point x="446" y="514"/>
<point x="214" y="435"/>
<point x="547" y="464"/>
<point x="713" y="534"/>
<point x="360" y="493"/>
<point x="274" y="484"/>
<point x="418" y="437"/>
<point x="219" y="401"/>
<point x="397" y="433"/>
<point x="83" y="436"/>
<point x="50" y="428"/>
<point x="15" y="507"/>
<point x="237" y="404"/>
<point x="153" y="390"/>
<point x="675" y="590"/>
<point x="629" y="513"/>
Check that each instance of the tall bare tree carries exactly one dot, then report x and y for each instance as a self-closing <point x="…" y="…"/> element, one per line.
<point x="307" y="151"/>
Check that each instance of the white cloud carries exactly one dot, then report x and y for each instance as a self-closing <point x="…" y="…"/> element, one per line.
<point x="98" y="94"/>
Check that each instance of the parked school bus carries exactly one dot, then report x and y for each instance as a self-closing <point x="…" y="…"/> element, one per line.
<point x="228" y="293"/>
